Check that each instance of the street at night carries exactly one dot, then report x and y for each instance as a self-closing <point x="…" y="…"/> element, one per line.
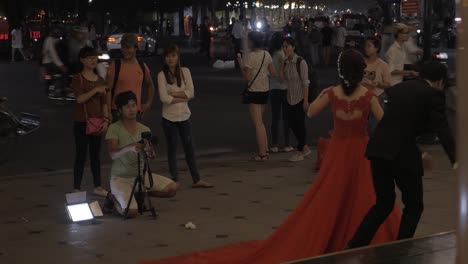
<point x="362" y="84"/>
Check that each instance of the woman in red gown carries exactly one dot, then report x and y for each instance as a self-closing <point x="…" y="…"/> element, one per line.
<point x="342" y="193"/>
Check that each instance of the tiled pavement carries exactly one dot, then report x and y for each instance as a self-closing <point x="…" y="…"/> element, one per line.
<point x="434" y="249"/>
<point x="250" y="200"/>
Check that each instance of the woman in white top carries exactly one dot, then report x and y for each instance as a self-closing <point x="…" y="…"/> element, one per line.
<point x="376" y="75"/>
<point x="256" y="68"/>
<point x="377" y="72"/>
<point x="175" y="90"/>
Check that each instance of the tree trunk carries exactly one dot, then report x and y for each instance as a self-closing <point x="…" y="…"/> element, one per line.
<point x="161" y="24"/>
<point x="14" y="11"/>
<point x="203" y="12"/>
<point x="253" y="14"/>
<point x="195" y="11"/>
<point x="181" y="23"/>
<point x="242" y="8"/>
<point x="212" y="10"/>
<point x="428" y="4"/>
<point x="227" y="19"/>
<point x="385" y="11"/>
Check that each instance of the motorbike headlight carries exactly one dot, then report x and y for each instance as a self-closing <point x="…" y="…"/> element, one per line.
<point x="104" y="56"/>
<point x="419" y="31"/>
<point x="259" y="25"/>
<point x="442" y="56"/>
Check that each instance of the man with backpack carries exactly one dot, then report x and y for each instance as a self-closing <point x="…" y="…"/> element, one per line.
<point x="129" y="74"/>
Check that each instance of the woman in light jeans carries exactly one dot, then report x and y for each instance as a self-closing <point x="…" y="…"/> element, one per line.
<point x="256" y="67"/>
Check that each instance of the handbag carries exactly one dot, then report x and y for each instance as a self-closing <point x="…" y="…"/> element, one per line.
<point x="93" y="124"/>
<point x="245" y="93"/>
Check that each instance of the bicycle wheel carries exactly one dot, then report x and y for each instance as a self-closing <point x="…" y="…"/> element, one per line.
<point x="8" y="137"/>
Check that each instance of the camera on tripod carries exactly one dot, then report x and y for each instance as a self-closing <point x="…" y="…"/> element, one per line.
<point x="148" y="141"/>
<point x="148" y="153"/>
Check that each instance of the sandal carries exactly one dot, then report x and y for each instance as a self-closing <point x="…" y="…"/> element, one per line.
<point x="259" y="157"/>
<point x="202" y="184"/>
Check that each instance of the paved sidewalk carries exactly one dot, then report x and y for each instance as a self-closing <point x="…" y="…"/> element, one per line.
<point x="250" y="200"/>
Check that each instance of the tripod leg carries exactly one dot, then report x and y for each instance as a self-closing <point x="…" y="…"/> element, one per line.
<point x="130" y="198"/>
<point x="150" y="179"/>
<point x="142" y="191"/>
<point x="150" y="205"/>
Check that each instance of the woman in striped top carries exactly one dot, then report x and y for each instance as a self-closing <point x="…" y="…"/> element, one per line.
<point x="278" y="99"/>
<point x="295" y="72"/>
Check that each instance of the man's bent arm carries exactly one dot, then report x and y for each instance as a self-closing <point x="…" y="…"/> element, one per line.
<point x="116" y="152"/>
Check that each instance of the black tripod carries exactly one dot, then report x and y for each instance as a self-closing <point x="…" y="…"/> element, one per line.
<point x="142" y="191"/>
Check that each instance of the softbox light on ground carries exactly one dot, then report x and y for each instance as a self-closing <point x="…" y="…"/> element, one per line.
<point x="80" y="212"/>
<point x="79" y="209"/>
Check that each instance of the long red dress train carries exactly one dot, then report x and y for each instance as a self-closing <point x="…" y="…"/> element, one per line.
<point x="330" y="211"/>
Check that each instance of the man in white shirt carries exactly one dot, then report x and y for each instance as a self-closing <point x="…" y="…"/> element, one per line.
<point x="396" y="55"/>
<point x="54" y="63"/>
<point x="412" y="49"/>
<point x="50" y="57"/>
<point x="76" y="42"/>
<point x="17" y="43"/>
<point x="340" y="37"/>
<point x="237" y="35"/>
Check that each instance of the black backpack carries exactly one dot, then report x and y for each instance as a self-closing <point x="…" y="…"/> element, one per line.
<point x="118" y="63"/>
<point x="313" y="83"/>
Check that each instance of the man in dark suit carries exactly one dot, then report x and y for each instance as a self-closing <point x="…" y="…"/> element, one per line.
<point x="414" y="107"/>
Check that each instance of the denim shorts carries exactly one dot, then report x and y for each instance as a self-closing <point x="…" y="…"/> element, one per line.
<point x="258" y="97"/>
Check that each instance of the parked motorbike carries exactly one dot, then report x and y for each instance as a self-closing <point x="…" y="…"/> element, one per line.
<point x="57" y="85"/>
<point x="12" y="126"/>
